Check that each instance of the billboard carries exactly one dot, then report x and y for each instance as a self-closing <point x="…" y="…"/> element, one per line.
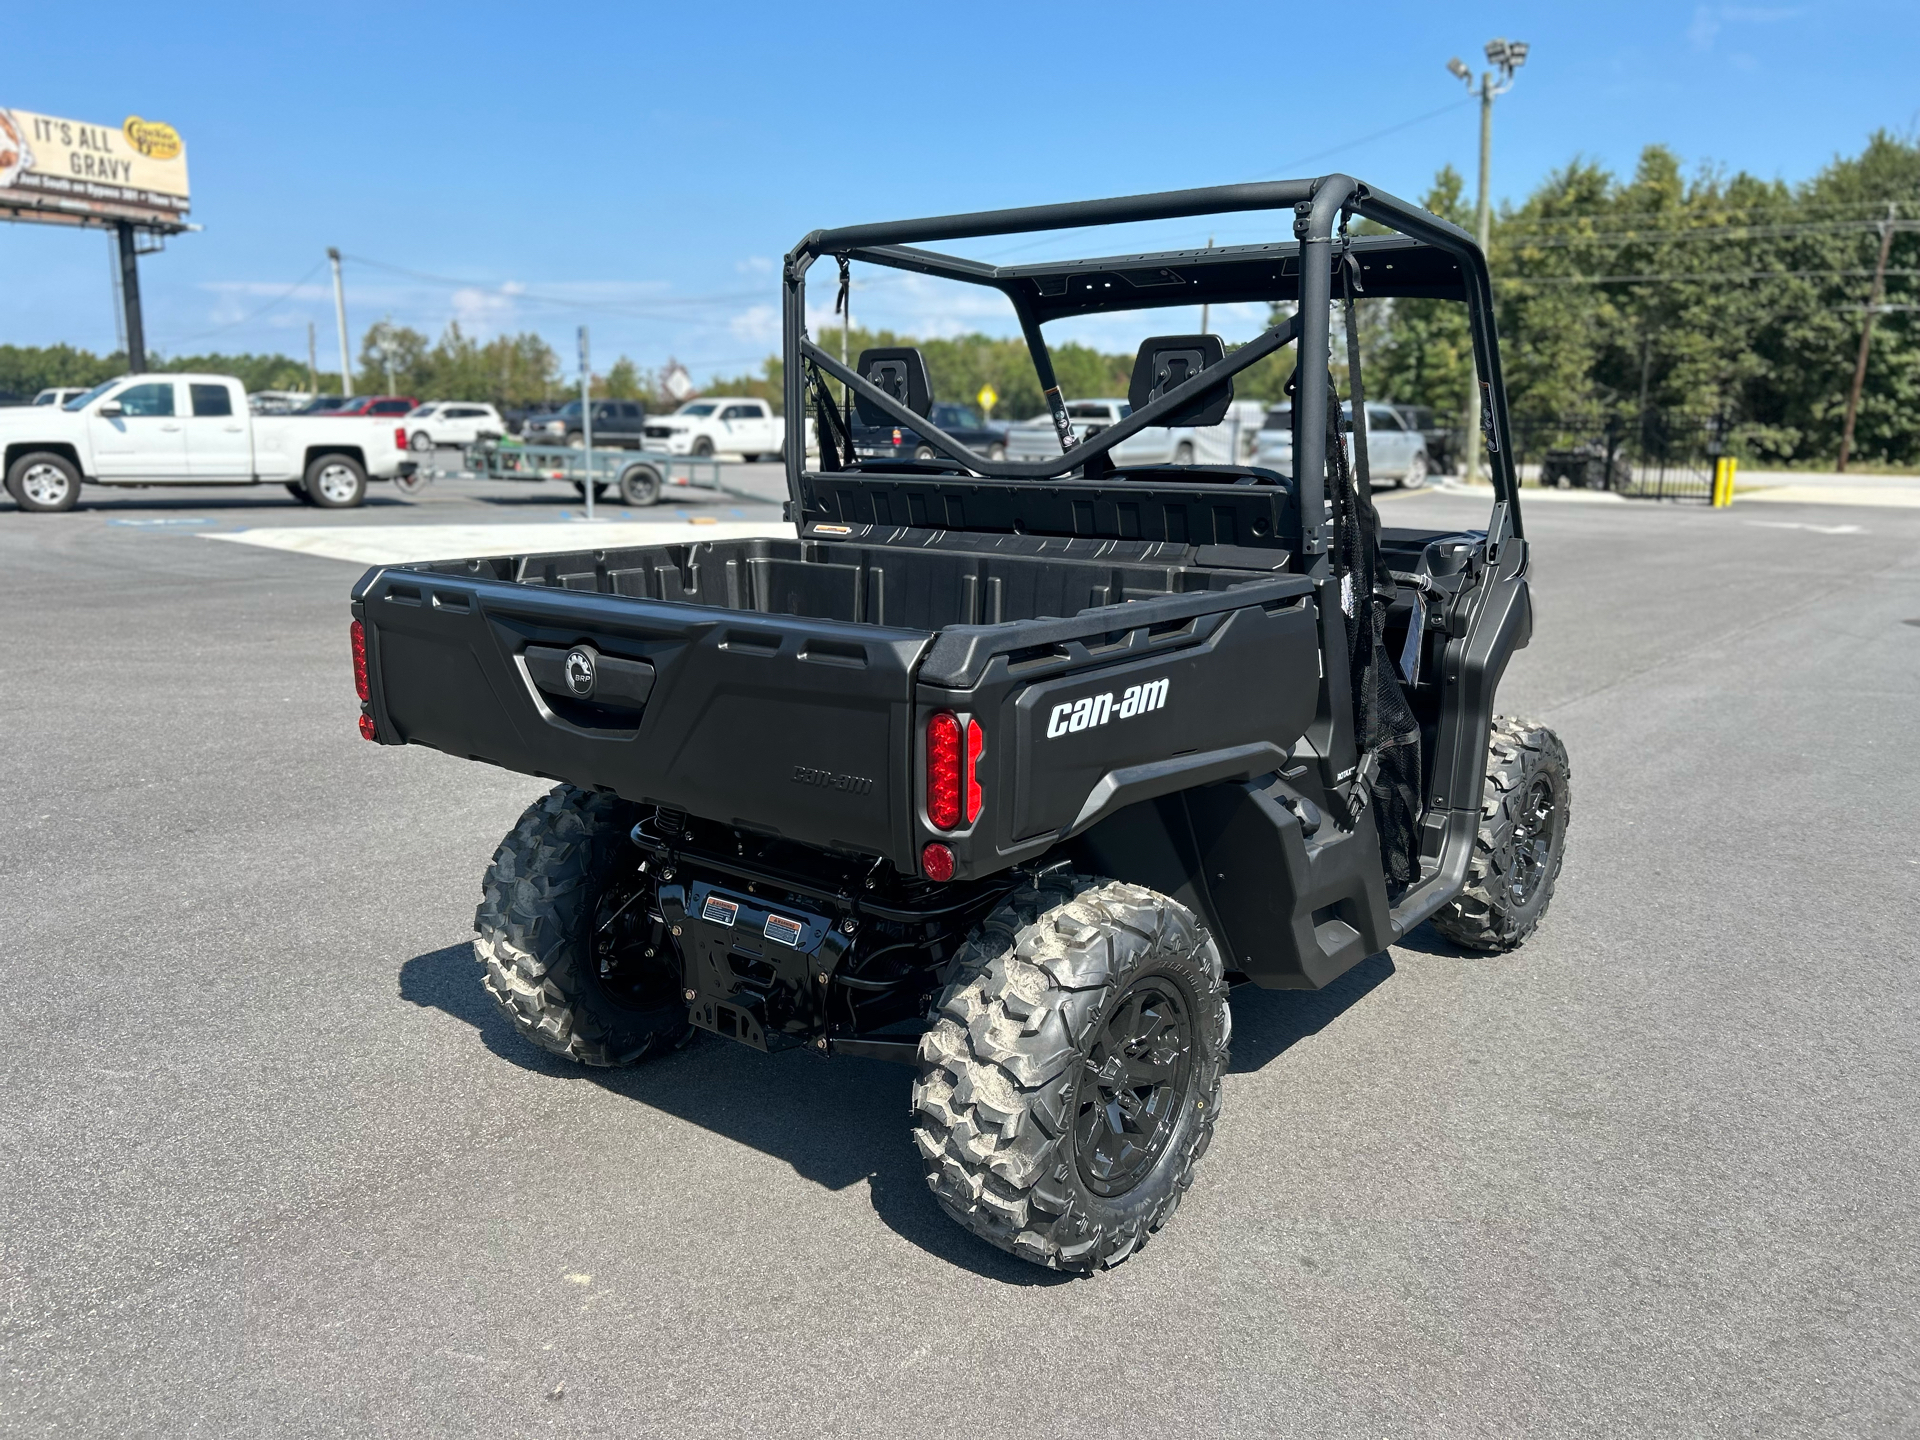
<point x="69" y="172"/>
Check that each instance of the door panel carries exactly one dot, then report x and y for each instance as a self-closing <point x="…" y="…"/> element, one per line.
<point x="146" y="440"/>
<point x="219" y="442"/>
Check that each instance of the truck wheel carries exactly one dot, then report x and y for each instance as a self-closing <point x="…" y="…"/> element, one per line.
<point x="299" y="492"/>
<point x="923" y="452"/>
<point x="1416" y="476"/>
<point x="703" y="447"/>
<point x="44" y="482"/>
<point x="640" y="485"/>
<point x="336" y="482"/>
<point x="566" y="937"/>
<point x="1523" y="833"/>
<point x="1072" y="1076"/>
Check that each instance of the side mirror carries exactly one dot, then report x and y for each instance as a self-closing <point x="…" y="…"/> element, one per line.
<point x="111" y="410"/>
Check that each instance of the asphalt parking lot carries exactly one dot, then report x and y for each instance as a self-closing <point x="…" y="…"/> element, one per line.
<point x="271" y="1164"/>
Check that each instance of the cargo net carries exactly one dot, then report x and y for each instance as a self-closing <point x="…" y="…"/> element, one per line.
<point x="1385" y="730"/>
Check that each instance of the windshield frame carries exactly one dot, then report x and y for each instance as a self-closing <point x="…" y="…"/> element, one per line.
<point x="87" y="397"/>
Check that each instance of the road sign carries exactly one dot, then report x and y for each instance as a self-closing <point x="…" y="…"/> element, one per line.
<point x="987" y="396"/>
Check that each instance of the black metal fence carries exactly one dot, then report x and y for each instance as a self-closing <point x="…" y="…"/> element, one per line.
<point x="1659" y="455"/>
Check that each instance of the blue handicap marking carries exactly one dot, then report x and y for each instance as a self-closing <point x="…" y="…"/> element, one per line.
<point x="163" y="520"/>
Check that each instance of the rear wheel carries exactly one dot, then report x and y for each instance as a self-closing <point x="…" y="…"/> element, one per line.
<point x="1072" y="1076"/>
<point x="413" y="483"/>
<point x="565" y="932"/>
<point x="1183" y="455"/>
<point x="336" y="482"/>
<point x="1524" y="811"/>
<point x="44" y="482"/>
<point x="421" y="441"/>
<point x="1416" y="476"/>
<point x="923" y="452"/>
<point x="996" y="452"/>
<point x="640" y="485"/>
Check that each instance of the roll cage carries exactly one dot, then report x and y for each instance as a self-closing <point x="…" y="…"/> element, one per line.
<point x="1426" y="257"/>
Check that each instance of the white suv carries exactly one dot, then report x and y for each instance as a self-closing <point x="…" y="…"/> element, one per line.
<point x="453" y="422"/>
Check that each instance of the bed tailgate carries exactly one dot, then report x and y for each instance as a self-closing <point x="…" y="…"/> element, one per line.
<point x="782" y="724"/>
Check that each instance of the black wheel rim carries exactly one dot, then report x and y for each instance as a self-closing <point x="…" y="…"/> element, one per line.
<point x="1131" y="1085"/>
<point x="631" y="961"/>
<point x="1535" y="838"/>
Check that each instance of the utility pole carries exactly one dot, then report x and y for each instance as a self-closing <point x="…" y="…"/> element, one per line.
<point x="1506" y="56"/>
<point x="340" y="314"/>
<point x="586" y="419"/>
<point x="1866" y="336"/>
<point x="313" y="365"/>
<point x="386" y="349"/>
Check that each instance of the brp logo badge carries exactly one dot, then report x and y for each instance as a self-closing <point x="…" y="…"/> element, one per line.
<point x="580" y="671"/>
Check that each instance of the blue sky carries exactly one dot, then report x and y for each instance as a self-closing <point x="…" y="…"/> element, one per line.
<point x="640" y="168"/>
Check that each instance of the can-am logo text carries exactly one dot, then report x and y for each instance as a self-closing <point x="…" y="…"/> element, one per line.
<point x="1072" y="715"/>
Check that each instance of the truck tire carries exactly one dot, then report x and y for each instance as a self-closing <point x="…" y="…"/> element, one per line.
<point x="640" y="485"/>
<point x="703" y="447"/>
<point x="1416" y="476"/>
<point x="1524" y="811"/>
<point x="421" y="442"/>
<point x="44" y="482"/>
<point x="336" y="482"/>
<point x="1047" y="1123"/>
<point x="561" y="976"/>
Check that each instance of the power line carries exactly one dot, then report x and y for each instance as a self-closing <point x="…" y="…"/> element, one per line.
<point x="1694" y="277"/>
<point x="245" y="319"/>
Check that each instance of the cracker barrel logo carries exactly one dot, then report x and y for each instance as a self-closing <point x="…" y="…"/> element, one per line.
<point x="152" y="139"/>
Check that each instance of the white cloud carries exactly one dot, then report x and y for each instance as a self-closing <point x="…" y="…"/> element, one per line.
<point x="757" y="323"/>
<point x="754" y="265"/>
<point x="480" y="310"/>
<point x="1710" y="20"/>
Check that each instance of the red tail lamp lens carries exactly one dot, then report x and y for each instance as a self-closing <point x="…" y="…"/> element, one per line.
<point x="976" y="747"/>
<point x="367" y="731"/>
<point x="360" y="661"/>
<point x="936" y="861"/>
<point x="943" y="770"/>
<point x="400" y="437"/>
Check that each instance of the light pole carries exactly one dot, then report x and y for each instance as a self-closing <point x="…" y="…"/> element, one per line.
<point x="1505" y="56"/>
<point x="340" y="314"/>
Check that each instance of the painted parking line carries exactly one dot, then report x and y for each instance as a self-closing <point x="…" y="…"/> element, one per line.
<point x="405" y="544"/>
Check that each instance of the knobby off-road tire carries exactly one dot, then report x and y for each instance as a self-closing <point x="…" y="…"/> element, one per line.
<point x="1522" y="839"/>
<point x="1072" y="1077"/>
<point x="549" y="924"/>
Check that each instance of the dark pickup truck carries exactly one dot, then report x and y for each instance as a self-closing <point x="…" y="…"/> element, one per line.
<point x="1009" y="770"/>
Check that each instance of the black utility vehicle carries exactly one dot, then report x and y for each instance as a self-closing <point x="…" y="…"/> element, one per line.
<point x="1008" y="770"/>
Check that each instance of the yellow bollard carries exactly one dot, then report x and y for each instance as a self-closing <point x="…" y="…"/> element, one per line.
<point x="1724" y="469"/>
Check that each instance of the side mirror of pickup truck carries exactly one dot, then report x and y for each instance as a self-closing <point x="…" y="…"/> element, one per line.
<point x="110" y="410"/>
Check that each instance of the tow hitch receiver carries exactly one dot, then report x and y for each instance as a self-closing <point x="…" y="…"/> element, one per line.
<point x="748" y="966"/>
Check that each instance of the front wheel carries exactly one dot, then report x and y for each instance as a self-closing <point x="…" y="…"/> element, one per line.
<point x="1522" y="839"/>
<point x="572" y="957"/>
<point x="1072" y="1076"/>
<point x="44" y="483"/>
<point x="1416" y="476"/>
<point x="336" y="482"/>
<point x="703" y="447"/>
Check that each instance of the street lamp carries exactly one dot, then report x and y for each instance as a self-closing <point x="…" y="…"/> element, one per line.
<point x="1505" y="56"/>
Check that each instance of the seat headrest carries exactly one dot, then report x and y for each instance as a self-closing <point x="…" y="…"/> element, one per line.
<point x="1169" y="360"/>
<point x="901" y="372"/>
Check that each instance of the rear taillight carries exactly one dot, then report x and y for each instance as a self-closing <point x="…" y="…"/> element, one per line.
<point x="954" y="749"/>
<point x="400" y="437"/>
<point x="936" y="861"/>
<point x="360" y="661"/>
<point x="943" y="771"/>
<point x="896" y="434"/>
<point x="367" y="732"/>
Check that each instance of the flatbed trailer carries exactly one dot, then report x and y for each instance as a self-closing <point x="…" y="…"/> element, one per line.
<point x="640" y="476"/>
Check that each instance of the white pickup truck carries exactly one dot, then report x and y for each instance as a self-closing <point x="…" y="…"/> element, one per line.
<point x="191" y="430"/>
<point x="1158" y="445"/>
<point x="724" y="423"/>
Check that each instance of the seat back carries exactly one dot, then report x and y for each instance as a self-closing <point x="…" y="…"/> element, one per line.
<point x="901" y="371"/>
<point x="1166" y="361"/>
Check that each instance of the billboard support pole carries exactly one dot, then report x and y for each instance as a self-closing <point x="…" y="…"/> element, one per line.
<point x="340" y="314"/>
<point x="130" y="298"/>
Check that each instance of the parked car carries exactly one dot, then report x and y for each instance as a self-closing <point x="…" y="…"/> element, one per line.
<point x="895" y="442"/>
<point x="1394" y="452"/>
<point x="1157" y="445"/>
<point x="322" y="405"/>
<point x="191" y="430"/>
<point x="385" y="406"/>
<point x="278" y="402"/>
<point x="615" y="422"/>
<point x="746" y="427"/>
<point x="519" y="417"/>
<point x="1441" y="435"/>
<point x="453" y="422"/>
<point x="59" y="394"/>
